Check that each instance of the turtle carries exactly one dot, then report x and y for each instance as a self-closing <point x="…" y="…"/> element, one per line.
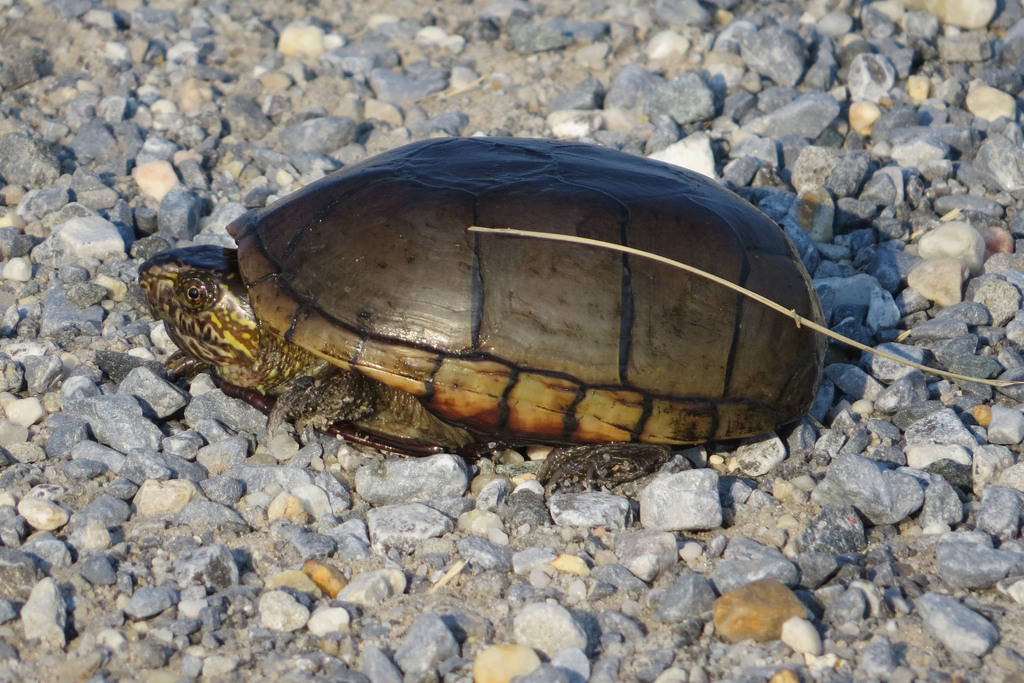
<point x="362" y="304"/>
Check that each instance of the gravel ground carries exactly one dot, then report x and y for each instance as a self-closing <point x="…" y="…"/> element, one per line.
<point x="151" y="530"/>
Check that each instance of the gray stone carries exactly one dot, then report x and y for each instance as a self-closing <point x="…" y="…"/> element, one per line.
<point x="63" y="320"/>
<point x="178" y="215"/>
<point x="1000" y="510"/>
<point x="235" y="414"/>
<point x="871" y="76"/>
<point x="212" y="567"/>
<point x="687" y="98"/>
<point x="485" y="555"/>
<point x="958" y="628"/>
<point x="427" y="643"/>
<point x="531" y="38"/>
<point x="999" y="160"/>
<point x="943" y="427"/>
<point x="399" y="88"/>
<point x="116" y="421"/>
<point x="99" y="570"/>
<point x="245" y="117"/>
<point x="378" y="666"/>
<point x="746" y="561"/>
<point x="681" y="501"/>
<point x="881" y="495"/>
<point x="206" y="515"/>
<point x="646" y="552"/>
<point x="405" y="526"/>
<point x="93" y="143"/>
<point x="143" y="464"/>
<point x="776" y="53"/>
<point x="155" y="394"/>
<point x="27" y="161"/>
<point x="836" y="530"/>
<point x="18" y="574"/>
<point x="968" y="560"/>
<point x="90" y="450"/>
<point x="589" y="509"/>
<point x="44" y="615"/>
<point x="806" y="116"/>
<point x="413" y="480"/>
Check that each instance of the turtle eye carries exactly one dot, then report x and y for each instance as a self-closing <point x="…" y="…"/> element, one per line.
<point x="194" y="293"/>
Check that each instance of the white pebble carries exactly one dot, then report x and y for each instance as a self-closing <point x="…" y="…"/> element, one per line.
<point x="279" y="611"/>
<point x="549" y="628"/>
<point x="667" y="45"/>
<point x="25" y="412"/>
<point x="692" y="152"/>
<point x="956" y="239"/>
<point x="801" y="635"/>
<point x="939" y="279"/>
<point x="18" y="269"/>
<point x="326" y="619"/>
<point x="301" y="40"/>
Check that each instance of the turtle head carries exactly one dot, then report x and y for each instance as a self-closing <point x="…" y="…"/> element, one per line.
<point x="199" y="294"/>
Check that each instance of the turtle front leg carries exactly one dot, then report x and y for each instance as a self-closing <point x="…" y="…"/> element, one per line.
<point x="604" y="463"/>
<point x="318" y="403"/>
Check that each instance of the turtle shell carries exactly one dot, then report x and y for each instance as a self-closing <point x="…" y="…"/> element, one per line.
<point x="372" y="268"/>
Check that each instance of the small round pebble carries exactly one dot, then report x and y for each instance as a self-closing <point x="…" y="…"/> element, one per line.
<point x="548" y="628"/>
<point x="279" y="611"/>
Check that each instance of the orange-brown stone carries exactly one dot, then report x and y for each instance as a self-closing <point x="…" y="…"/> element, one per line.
<point x="328" y="579"/>
<point x="755" y="611"/>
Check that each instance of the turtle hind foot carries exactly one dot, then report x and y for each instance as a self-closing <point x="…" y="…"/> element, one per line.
<point x="606" y="464"/>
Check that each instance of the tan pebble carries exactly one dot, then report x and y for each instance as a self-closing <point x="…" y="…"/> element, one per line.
<point x="95" y="536"/>
<point x="862" y="117"/>
<point x="571" y="564"/>
<point x="43" y="514"/>
<point x="155" y="178"/>
<point x="279" y="611"/>
<point x="276" y="81"/>
<point x="756" y="611"/>
<point x="328" y="579"/>
<point x="301" y="40"/>
<point x="918" y="88"/>
<point x="194" y="95"/>
<point x="801" y="636"/>
<point x="116" y="289"/>
<point x="386" y="112"/>
<point x="939" y="280"/>
<point x="784" y="676"/>
<point x="287" y="506"/>
<point x="982" y="414"/>
<point x="988" y="103"/>
<point x="159" y="498"/>
<point x="502" y="663"/>
<point x="293" y="578"/>
<point x="524" y="477"/>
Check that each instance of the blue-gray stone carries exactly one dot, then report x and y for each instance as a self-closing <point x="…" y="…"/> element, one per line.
<point x="968" y="560"/>
<point x="149" y="601"/>
<point x="323" y="135"/>
<point x="399" y="88"/>
<point x="690" y="596"/>
<point x="99" y="570"/>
